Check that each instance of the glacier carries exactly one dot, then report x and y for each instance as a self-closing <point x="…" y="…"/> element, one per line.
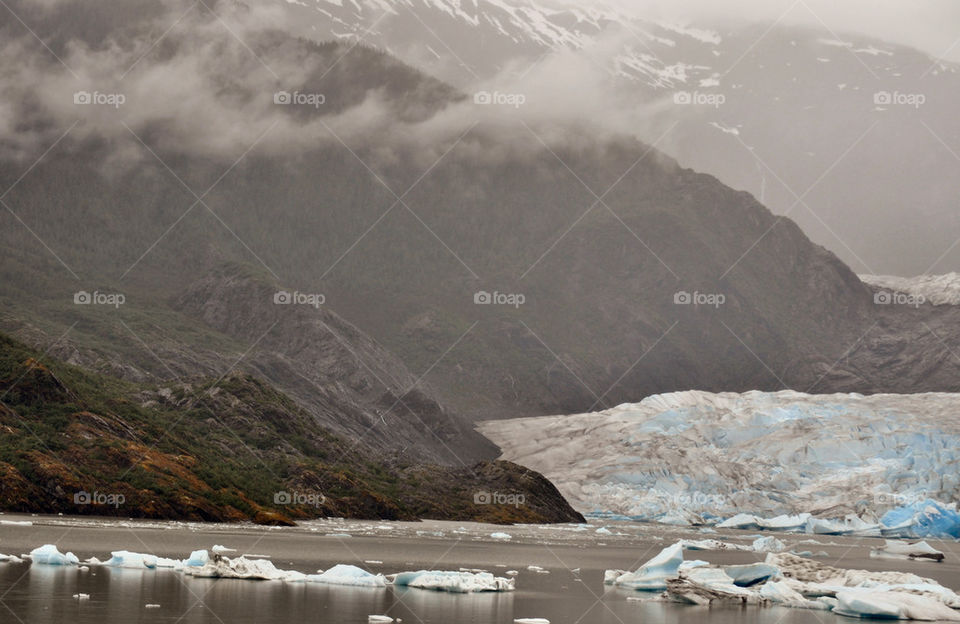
<point x="843" y="464"/>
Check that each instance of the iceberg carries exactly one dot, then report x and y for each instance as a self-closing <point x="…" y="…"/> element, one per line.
<point x="220" y="566"/>
<point x="127" y="559"/>
<point x="49" y="555"/>
<point x="927" y="518"/>
<point x="768" y="544"/>
<point x="892" y="605"/>
<point x="740" y="521"/>
<point x="901" y="550"/>
<point x="342" y="574"/>
<point x="455" y="582"/>
<point x="751" y="574"/>
<point x="653" y="575"/>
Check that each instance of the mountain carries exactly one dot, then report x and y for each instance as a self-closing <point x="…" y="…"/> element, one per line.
<point x="800" y="117"/>
<point x="515" y="266"/>
<point x="761" y="453"/>
<point x="227" y="449"/>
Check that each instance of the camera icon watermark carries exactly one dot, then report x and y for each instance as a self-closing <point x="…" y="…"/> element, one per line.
<point x="893" y="499"/>
<point x="299" y="499"/>
<point x="483" y="497"/>
<point x="82" y="297"/>
<point x="697" y="298"/>
<point x="86" y="98"/>
<point x="697" y="98"/>
<point x="84" y="497"/>
<point x="483" y="297"/>
<point x="286" y="98"/>
<point x="496" y="98"/>
<point x="284" y="297"/>
<point x="889" y="298"/>
<point x="896" y="98"/>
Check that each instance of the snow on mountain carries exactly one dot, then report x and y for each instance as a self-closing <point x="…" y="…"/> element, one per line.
<point x="761" y="453"/>
<point x="935" y="289"/>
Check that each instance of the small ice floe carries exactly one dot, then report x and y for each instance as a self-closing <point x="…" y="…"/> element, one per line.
<point x="373" y="562"/>
<point x="353" y="576"/>
<point x="653" y="575"/>
<point x="16" y="523"/>
<point x="501" y="536"/>
<point x="712" y="544"/>
<point x="789" y="523"/>
<point x="379" y="619"/>
<point x="151" y="605"/>
<point x="221" y="550"/>
<point x="751" y="574"/>
<point x="455" y="582"/>
<point x="604" y="531"/>
<point x="10" y="559"/>
<point x="81" y="596"/>
<point x="740" y="521"/>
<point x="892" y="605"/>
<point x="768" y="544"/>
<point x="511" y="573"/>
<point x="197" y="558"/>
<point x="902" y="550"/>
<point x="707" y="585"/>
<point x="240" y="568"/>
<point x="531" y="621"/>
<point x="49" y="555"/>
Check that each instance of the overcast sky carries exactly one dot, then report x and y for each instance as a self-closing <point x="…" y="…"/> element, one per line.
<point x="930" y="25"/>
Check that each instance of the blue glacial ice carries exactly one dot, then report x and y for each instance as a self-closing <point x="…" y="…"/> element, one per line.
<point x="784" y="461"/>
<point x="48" y="554"/>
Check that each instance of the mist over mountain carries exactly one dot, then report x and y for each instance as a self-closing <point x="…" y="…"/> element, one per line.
<point x="516" y="262"/>
<point x="793" y="110"/>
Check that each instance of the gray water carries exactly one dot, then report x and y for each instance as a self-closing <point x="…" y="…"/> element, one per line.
<point x="36" y="594"/>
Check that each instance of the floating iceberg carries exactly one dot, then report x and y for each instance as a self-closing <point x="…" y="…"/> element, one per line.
<point x="751" y="574"/>
<point x="49" y="555"/>
<point x="455" y="582"/>
<point x="927" y="518"/>
<point x="653" y="575"/>
<point x="220" y="566"/>
<point x="892" y="605"/>
<point x="342" y="574"/>
<point x="903" y="550"/>
<point x="712" y="544"/>
<point x="768" y="544"/>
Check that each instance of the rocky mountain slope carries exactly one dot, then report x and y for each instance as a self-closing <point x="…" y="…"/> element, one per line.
<point x="798" y="116"/>
<point x="228" y="449"/>
<point x="518" y="267"/>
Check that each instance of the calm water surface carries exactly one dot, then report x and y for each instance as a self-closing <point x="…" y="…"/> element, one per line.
<point x="44" y="594"/>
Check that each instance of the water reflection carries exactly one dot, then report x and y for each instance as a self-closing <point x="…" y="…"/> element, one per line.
<point x="43" y="595"/>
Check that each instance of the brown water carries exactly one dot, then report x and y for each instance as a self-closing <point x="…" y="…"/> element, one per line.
<point x="43" y="594"/>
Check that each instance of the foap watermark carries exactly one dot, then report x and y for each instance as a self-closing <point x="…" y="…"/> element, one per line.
<point x="892" y="499"/>
<point x="299" y="499"/>
<point x="298" y="298"/>
<point x="496" y="98"/>
<point x="286" y="98"/>
<point x="483" y="497"/>
<point x="697" y="298"/>
<point x="86" y="98"/>
<point x="896" y="98"/>
<point x="698" y="98"/>
<point x="84" y="497"/>
<point x="697" y="500"/>
<point x="498" y="298"/>
<point x="886" y="297"/>
<point x="82" y="297"/>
